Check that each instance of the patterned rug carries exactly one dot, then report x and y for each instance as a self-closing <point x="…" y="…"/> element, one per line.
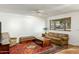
<point x="30" y="48"/>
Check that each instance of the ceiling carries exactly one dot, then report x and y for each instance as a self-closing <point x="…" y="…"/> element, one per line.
<point x="39" y="9"/>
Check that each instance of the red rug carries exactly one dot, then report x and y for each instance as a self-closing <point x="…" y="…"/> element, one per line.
<point x="23" y="48"/>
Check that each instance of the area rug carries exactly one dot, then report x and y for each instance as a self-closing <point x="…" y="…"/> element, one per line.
<point x="30" y="48"/>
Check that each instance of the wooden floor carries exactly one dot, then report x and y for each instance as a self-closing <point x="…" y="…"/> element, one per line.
<point x="59" y="48"/>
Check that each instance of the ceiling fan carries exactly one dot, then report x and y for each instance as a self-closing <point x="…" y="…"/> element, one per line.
<point x="38" y="12"/>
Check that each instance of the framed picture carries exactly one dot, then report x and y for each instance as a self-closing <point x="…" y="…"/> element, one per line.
<point x="68" y="24"/>
<point x="63" y="24"/>
<point x="52" y="25"/>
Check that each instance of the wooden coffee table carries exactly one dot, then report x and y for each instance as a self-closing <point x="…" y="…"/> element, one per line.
<point x="46" y="41"/>
<point x="4" y="49"/>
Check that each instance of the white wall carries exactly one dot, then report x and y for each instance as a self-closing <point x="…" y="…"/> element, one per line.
<point x="22" y="25"/>
<point x="74" y="34"/>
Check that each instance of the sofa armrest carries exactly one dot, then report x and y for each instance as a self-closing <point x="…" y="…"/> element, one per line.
<point x="64" y="38"/>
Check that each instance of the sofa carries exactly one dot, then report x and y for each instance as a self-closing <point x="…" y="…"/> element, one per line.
<point x="57" y="38"/>
<point x="26" y="39"/>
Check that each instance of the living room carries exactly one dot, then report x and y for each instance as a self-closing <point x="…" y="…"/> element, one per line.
<point x="32" y="22"/>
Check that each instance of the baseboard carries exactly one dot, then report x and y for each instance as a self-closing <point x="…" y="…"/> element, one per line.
<point x="73" y="45"/>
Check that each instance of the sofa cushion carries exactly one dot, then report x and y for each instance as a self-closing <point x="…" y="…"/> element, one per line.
<point x="54" y="38"/>
<point x="64" y="38"/>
